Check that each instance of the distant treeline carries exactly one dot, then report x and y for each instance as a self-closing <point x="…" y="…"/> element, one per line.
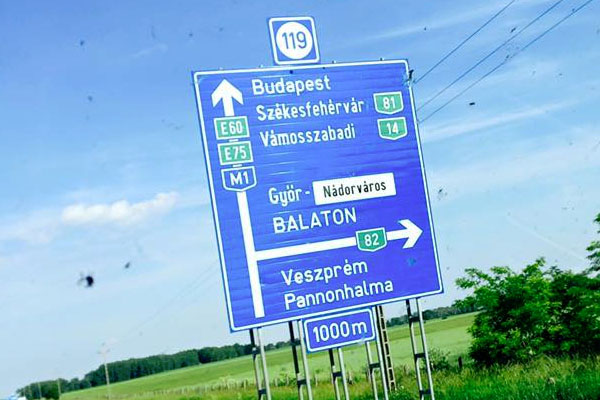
<point x="119" y="371"/>
<point x="440" y="312"/>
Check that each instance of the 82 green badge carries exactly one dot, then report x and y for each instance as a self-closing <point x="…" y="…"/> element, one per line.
<point x="371" y="239"/>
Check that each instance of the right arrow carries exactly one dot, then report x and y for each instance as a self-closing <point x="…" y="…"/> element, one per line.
<point x="226" y="93"/>
<point x="411" y="233"/>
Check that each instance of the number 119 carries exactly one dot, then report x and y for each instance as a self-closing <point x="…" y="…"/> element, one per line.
<point x="295" y="40"/>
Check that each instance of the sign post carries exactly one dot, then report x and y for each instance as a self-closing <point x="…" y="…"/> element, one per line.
<point x="318" y="189"/>
<point x="387" y="366"/>
<point x="300" y="381"/>
<point x="261" y="373"/>
<point x="422" y="355"/>
<point x="335" y="375"/>
<point x="343" y="373"/>
<point x="380" y="357"/>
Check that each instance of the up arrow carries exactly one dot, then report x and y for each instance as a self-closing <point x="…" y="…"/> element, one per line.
<point x="225" y="93"/>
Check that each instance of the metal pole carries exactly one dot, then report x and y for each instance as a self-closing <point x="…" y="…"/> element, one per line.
<point x="39" y="391"/>
<point x="381" y="363"/>
<point x="263" y="360"/>
<point x="295" y="358"/>
<point x="104" y="351"/>
<point x="107" y="378"/>
<point x="343" y="372"/>
<point x="424" y="341"/>
<point x="58" y="385"/>
<point x="305" y="361"/>
<point x="385" y="347"/>
<point x="256" y="374"/>
<point x="334" y="375"/>
<point x="414" y="348"/>
<point x="370" y="371"/>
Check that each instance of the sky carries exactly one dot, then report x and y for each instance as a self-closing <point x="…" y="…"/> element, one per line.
<point x="101" y="161"/>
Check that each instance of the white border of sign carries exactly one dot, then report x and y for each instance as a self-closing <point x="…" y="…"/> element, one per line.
<point x="361" y="340"/>
<point x="234" y="328"/>
<point x="274" y="43"/>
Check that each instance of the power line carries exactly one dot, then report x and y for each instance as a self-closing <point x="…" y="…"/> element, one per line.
<point x="478" y="63"/>
<point x="507" y="59"/>
<point x="464" y="41"/>
<point x="198" y="282"/>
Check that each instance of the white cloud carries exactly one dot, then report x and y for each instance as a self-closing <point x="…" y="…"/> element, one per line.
<point x="461" y="17"/>
<point x="436" y="23"/>
<point x="42" y="226"/>
<point x="525" y="71"/>
<point x="552" y="242"/>
<point x="157" y="48"/>
<point x="38" y="227"/>
<point x="460" y="126"/>
<point x="120" y="212"/>
<point x="506" y="169"/>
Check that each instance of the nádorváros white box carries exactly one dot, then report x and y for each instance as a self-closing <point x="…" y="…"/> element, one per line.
<point x="364" y="187"/>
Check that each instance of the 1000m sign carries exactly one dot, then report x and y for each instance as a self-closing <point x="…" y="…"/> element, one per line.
<point x="336" y="330"/>
<point x="339" y="330"/>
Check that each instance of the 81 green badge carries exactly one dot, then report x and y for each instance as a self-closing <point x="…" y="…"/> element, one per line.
<point x="388" y="103"/>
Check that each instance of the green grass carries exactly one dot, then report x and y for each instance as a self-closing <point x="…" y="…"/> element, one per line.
<point x="449" y="335"/>
<point x="545" y="379"/>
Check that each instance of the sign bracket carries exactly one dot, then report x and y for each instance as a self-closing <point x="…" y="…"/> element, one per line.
<point x="387" y="367"/>
<point x="300" y="381"/>
<point x="338" y="373"/>
<point x="371" y="367"/>
<point x="379" y="364"/>
<point x="262" y="380"/>
<point x="343" y="373"/>
<point x="420" y="356"/>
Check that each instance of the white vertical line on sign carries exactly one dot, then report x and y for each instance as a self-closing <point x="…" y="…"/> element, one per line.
<point x="257" y="298"/>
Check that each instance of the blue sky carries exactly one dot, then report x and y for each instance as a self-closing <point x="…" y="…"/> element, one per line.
<point x="101" y="161"/>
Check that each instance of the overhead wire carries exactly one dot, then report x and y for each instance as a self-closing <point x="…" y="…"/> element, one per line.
<point x="456" y="48"/>
<point x="203" y="278"/>
<point x="481" y="61"/>
<point x="507" y="59"/>
<point x="200" y="280"/>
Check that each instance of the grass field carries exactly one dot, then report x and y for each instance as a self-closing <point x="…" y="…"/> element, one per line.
<point x="545" y="379"/>
<point x="449" y="335"/>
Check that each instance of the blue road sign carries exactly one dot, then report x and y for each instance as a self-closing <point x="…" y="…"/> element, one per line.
<point x="338" y="330"/>
<point x="293" y="40"/>
<point x="318" y="189"/>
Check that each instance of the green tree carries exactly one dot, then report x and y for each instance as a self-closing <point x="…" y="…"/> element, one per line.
<point x="577" y="297"/>
<point x="50" y="391"/>
<point x="576" y="305"/>
<point x="515" y="319"/>
<point x="594" y="250"/>
<point x="533" y="312"/>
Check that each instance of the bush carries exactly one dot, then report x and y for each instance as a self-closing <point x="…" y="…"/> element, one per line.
<point x="439" y="360"/>
<point x="538" y="311"/>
